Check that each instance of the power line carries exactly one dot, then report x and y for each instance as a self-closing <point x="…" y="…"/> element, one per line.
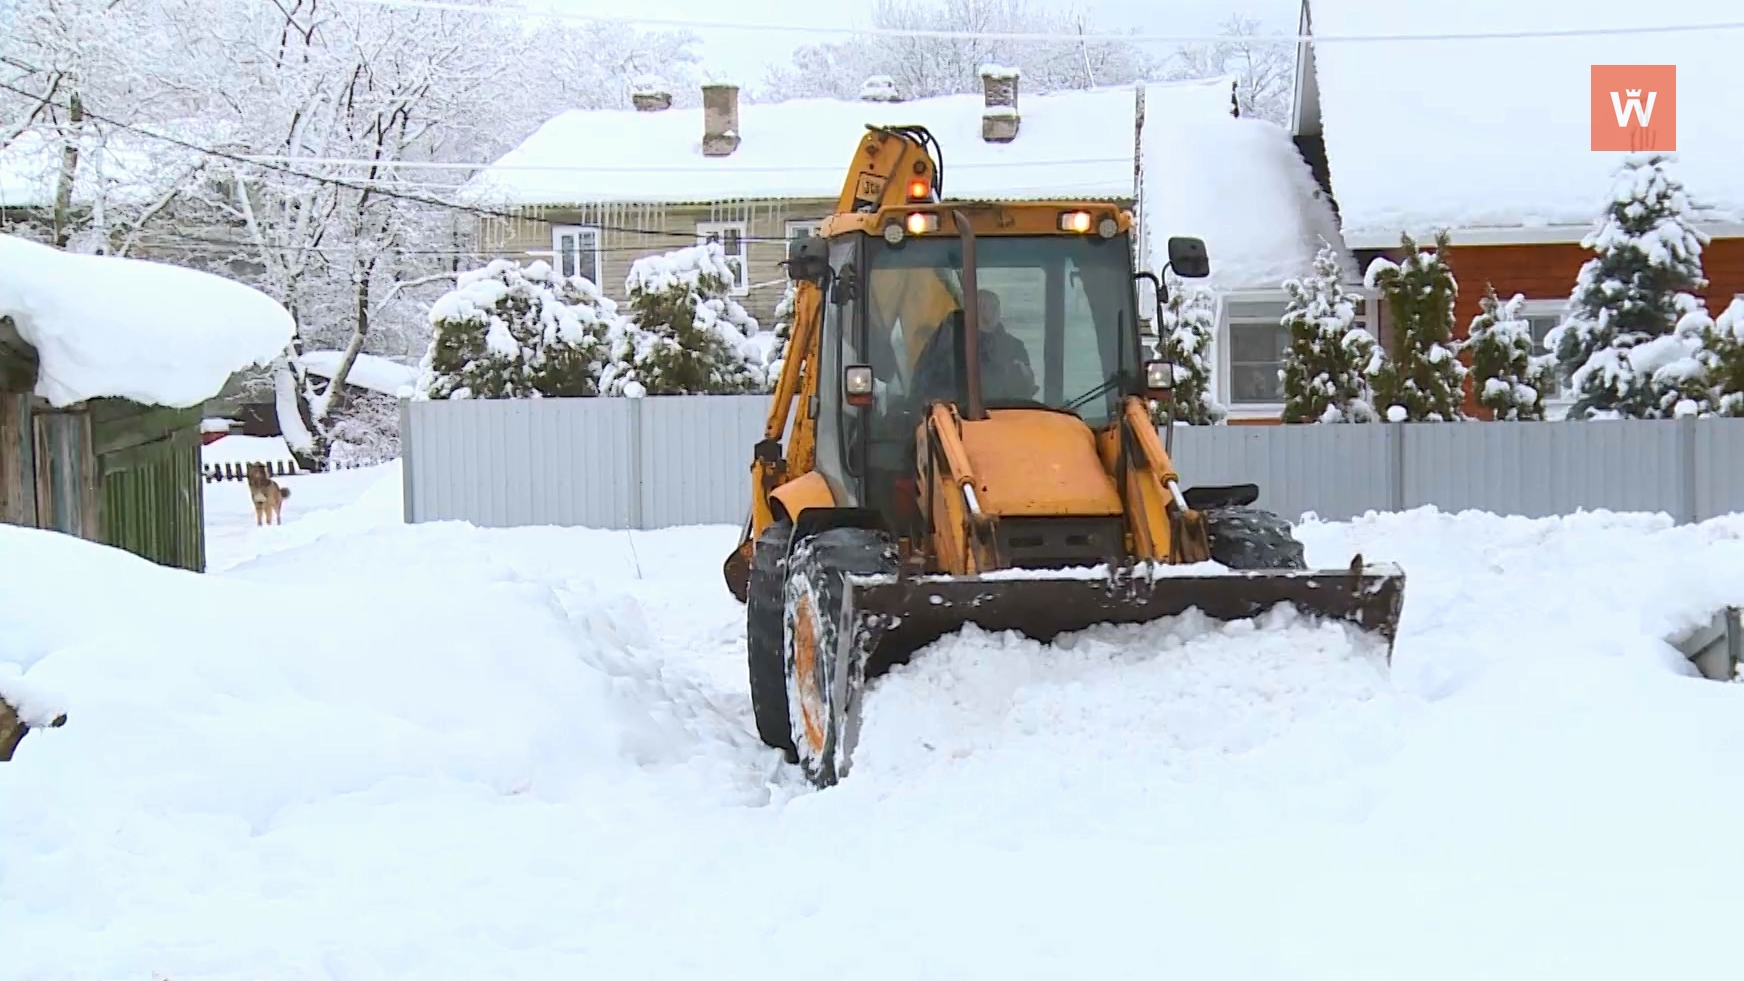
<point x="354" y="185"/>
<point x="526" y="13"/>
<point x="687" y="169"/>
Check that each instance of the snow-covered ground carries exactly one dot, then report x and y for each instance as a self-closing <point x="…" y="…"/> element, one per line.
<point x="360" y="750"/>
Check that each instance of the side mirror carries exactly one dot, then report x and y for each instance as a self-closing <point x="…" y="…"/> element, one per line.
<point x="1159" y="381"/>
<point x="1148" y="300"/>
<point x="808" y="259"/>
<point x="1188" y="258"/>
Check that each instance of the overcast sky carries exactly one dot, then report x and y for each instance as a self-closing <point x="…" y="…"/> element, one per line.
<point x="742" y="56"/>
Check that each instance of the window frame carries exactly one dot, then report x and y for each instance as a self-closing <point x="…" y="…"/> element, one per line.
<point x="1224" y="383"/>
<point x="1557" y="308"/>
<point x="704" y="229"/>
<point x="557" y="254"/>
<point x="813" y="226"/>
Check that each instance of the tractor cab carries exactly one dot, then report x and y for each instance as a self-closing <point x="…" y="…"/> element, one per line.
<point x="1054" y="327"/>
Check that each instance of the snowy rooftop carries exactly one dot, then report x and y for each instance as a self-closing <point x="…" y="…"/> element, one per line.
<point x="1239" y="184"/>
<point x="1077" y="144"/>
<point x="108" y="327"/>
<point x="1495" y="133"/>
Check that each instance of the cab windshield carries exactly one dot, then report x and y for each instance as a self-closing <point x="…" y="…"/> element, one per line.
<point x="1056" y="325"/>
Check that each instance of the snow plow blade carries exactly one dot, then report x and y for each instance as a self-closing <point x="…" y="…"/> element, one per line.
<point x="898" y="617"/>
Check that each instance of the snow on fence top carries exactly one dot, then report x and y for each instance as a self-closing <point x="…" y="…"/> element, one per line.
<point x="1495" y="133"/>
<point x="1073" y="144"/>
<point x="153" y="333"/>
<point x="1239" y="184"/>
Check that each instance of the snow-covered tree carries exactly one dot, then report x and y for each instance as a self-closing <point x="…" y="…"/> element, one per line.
<point x="1722" y="359"/>
<point x="1421" y="379"/>
<point x="1186" y="323"/>
<point x="508" y="331"/>
<point x="689" y="335"/>
<point x="1625" y="345"/>
<point x="1329" y="357"/>
<point x="775" y="355"/>
<point x="1264" y="71"/>
<point x="922" y="67"/>
<point x="1510" y="380"/>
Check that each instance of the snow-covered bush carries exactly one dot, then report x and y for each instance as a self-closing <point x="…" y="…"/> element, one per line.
<point x="1509" y="379"/>
<point x="1421" y="380"/>
<point x="1186" y="323"/>
<point x="366" y="429"/>
<point x="1640" y="287"/>
<point x="1326" y="363"/>
<point x="775" y="355"/>
<point x="508" y="331"/>
<point x="688" y="335"/>
<point x="1722" y="360"/>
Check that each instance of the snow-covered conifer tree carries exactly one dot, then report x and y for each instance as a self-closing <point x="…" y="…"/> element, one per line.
<point x="689" y="335"/>
<point x="1640" y="287"/>
<point x="508" y="331"/>
<point x="1185" y="325"/>
<point x="1722" y="360"/>
<point x="1509" y="379"/>
<point x="1325" y="364"/>
<point x="1422" y="380"/>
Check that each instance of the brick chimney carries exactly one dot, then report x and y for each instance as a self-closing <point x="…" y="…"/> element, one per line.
<point x="648" y="93"/>
<point x="720" y="119"/>
<point x="879" y="88"/>
<point x="999" y="118"/>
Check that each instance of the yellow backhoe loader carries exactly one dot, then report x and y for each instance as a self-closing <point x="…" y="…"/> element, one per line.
<point x="962" y="433"/>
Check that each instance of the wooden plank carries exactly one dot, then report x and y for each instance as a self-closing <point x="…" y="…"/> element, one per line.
<point x="17" y="461"/>
<point x="118" y="432"/>
<point x="66" y="473"/>
<point x="153" y="501"/>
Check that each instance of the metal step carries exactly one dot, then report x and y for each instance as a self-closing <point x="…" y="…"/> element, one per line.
<point x="1716" y="647"/>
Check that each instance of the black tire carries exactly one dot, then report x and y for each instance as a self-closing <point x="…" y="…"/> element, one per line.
<point x="824" y="685"/>
<point x="1250" y="539"/>
<point x="764" y="624"/>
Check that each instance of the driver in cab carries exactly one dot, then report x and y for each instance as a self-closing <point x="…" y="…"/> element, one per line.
<point x="1006" y="375"/>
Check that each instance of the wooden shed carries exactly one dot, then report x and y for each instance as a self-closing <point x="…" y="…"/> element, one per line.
<point x="107" y="470"/>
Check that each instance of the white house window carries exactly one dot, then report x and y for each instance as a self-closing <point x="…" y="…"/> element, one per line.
<point x="1544" y="316"/>
<point x="1254" y="342"/>
<point x="732" y="236"/>
<point x="804" y="229"/>
<point x="577" y="251"/>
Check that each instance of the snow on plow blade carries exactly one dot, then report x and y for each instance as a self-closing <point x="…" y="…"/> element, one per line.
<point x="902" y="616"/>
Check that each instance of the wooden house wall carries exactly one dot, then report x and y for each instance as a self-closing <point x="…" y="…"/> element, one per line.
<point x="631" y="231"/>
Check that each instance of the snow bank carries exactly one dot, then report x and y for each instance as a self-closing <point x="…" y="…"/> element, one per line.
<point x="370" y="371"/>
<point x="1239" y="184"/>
<point x="1497" y="134"/>
<point x="1074" y="144"/>
<point x="146" y="331"/>
<point x="526" y="753"/>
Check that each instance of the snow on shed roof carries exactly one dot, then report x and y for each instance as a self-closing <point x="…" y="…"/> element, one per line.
<point x="371" y="371"/>
<point x="1494" y="134"/>
<point x="1076" y="144"/>
<point x="1239" y="184"/>
<point x="109" y="327"/>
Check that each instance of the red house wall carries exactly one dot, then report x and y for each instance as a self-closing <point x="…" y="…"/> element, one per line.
<point x="1548" y="272"/>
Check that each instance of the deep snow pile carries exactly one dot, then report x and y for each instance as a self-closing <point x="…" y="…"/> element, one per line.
<point x="125" y="328"/>
<point x="449" y="752"/>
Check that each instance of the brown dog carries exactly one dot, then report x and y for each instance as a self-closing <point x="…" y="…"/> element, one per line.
<point x="268" y="497"/>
